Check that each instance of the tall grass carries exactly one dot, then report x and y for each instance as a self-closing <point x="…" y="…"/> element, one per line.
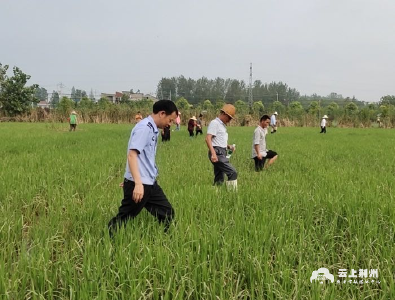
<point x="327" y="202"/>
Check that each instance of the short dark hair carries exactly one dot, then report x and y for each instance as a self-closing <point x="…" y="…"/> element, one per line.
<point x="167" y="106"/>
<point x="264" y="118"/>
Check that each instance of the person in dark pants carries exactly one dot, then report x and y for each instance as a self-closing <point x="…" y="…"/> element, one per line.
<point x="166" y="134"/>
<point x="323" y="124"/>
<point x="140" y="187"/>
<point x="217" y="143"/>
<point x="259" y="151"/>
<point x="191" y="126"/>
<point x="73" y="121"/>
<point x="199" y="125"/>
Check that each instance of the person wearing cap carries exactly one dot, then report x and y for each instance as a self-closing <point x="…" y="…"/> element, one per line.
<point x="191" y="126"/>
<point x="259" y="151"/>
<point x="140" y="188"/>
<point x="73" y="121"/>
<point x="217" y="143"/>
<point x="199" y="125"/>
<point x="273" y="122"/>
<point x="323" y="124"/>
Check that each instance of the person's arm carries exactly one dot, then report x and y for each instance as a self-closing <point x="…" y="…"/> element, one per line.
<point x="209" y="143"/>
<point x="138" y="191"/>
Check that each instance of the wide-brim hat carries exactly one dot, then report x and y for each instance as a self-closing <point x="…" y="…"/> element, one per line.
<point x="275" y="113"/>
<point x="325" y="117"/>
<point x="73" y="112"/>
<point x="193" y="118"/>
<point x="229" y="110"/>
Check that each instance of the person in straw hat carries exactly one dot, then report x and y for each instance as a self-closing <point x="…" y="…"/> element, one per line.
<point x="217" y="143"/>
<point x="323" y="124"/>
<point x="273" y="122"/>
<point x="191" y="126"/>
<point x="73" y="121"/>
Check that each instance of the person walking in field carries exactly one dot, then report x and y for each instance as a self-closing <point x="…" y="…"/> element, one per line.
<point x="191" y="126"/>
<point x="273" y="122"/>
<point x="178" y="121"/>
<point x="323" y="124"/>
<point x="73" y="121"/>
<point x="259" y="151"/>
<point x="199" y="125"/>
<point x="217" y="143"/>
<point x="140" y="188"/>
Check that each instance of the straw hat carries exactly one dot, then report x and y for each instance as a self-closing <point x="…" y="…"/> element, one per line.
<point x="230" y="110"/>
<point x="325" y="117"/>
<point x="73" y="112"/>
<point x="193" y="118"/>
<point x="275" y="113"/>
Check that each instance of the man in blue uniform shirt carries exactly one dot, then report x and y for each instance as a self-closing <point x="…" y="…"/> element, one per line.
<point x="140" y="187"/>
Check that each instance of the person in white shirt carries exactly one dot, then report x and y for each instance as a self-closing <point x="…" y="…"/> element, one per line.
<point x="217" y="143"/>
<point x="323" y="124"/>
<point x="273" y="122"/>
<point x="259" y="151"/>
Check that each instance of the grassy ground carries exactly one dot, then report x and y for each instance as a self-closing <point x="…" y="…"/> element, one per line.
<point x="328" y="202"/>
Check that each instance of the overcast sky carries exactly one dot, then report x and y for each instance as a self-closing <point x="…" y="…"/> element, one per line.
<point x="315" y="46"/>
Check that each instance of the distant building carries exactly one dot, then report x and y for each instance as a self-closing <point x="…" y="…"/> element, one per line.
<point x="43" y="104"/>
<point x="116" y="98"/>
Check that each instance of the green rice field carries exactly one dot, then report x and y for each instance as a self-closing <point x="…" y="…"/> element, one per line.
<point x="327" y="202"/>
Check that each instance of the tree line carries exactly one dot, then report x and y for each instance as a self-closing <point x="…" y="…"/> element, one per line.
<point x="193" y="97"/>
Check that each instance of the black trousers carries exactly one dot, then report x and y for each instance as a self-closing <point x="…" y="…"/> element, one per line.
<point x="154" y="200"/>
<point x="222" y="167"/>
<point x="199" y="131"/>
<point x="323" y="129"/>
<point x="259" y="163"/>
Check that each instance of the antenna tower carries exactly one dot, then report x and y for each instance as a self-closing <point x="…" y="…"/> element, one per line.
<point x="250" y="99"/>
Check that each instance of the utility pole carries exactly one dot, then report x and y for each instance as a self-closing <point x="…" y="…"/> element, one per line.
<point x="250" y="99"/>
<point x="277" y="96"/>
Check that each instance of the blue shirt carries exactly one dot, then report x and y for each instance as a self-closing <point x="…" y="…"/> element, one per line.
<point x="144" y="139"/>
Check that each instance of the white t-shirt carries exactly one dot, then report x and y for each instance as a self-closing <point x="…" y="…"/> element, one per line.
<point x="323" y="123"/>
<point x="217" y="129"/>
<point x="259" y="138"/>
<point x="273" y="120"/>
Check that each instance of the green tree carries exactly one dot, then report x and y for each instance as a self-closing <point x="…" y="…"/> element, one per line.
<point x="207" y="105"/>
<point x="333" y="110"/>
<point x="103" y="103"/>
<point x="219" y="104"/>
<point x="241" y="107"/>
<point x="278" y="107"/>
<point x="65" y="105"/>
<point x="313" y="108"/>
<point x="351" y="109"/>
<point x="54" y="99"/>
<point x="124" y="98"/>
<point x="15" y="97"/>
<point x="41" y="94"/>
<point x="182" y="104"/>
<point x="258" y="108"/>
<point x="85" y="103"/>
<point x="387" y="100"/>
